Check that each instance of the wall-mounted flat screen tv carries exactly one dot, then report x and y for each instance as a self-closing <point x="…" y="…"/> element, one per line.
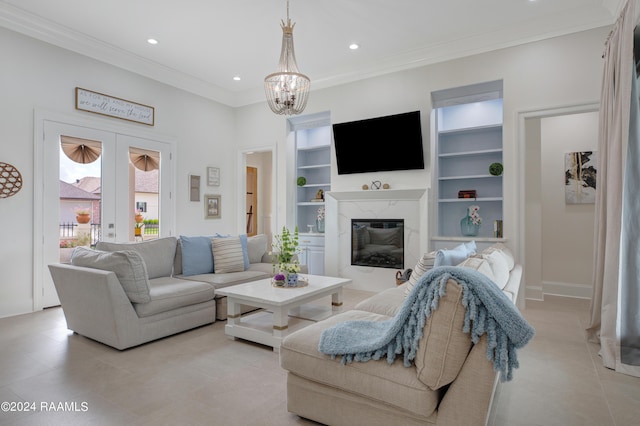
<point x="379" y="144"/>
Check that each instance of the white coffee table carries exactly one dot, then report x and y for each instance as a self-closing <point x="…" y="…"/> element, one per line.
<point x="279" y="301"/>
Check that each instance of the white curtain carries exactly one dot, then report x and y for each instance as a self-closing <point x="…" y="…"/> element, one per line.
<point x="616" y="254"/>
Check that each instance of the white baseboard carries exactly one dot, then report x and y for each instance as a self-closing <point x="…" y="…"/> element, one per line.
<point x="534" y="292"/>
<point x="580" y="291"/>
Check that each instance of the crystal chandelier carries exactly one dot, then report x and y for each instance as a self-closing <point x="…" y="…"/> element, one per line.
<point x="287" y="89"/>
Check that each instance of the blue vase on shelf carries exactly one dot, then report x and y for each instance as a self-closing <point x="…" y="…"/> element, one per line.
<point x="468" y="228"/>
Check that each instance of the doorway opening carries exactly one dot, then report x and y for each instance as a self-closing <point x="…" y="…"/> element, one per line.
<point x="548" y="234"/>
<point x="258" y="184"/>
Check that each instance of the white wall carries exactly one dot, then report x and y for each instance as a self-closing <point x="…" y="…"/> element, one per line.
<point x="34" y="74"/>
<point x="550" y="73"/>
<point x="567" y="229"/>
<point x="37" y="75"/>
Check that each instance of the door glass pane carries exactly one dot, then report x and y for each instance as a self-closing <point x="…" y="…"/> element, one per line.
<point x="80" y="194"/>
<point x="144" y="178"/>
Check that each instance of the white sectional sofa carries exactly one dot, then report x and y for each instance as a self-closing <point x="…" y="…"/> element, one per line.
<point x="450" y="383"/>
<point x="126" y="294"/>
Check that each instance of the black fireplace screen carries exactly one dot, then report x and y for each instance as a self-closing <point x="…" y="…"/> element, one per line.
<point x="378" y="243"/>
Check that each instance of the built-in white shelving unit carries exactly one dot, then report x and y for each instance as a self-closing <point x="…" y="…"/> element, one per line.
<point x="467" y="139"/>
<point x="312" y="160"/>
<point x="314" y="164"/>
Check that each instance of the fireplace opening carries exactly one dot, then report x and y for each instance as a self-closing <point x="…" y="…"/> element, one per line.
<point x="378" y="243"/>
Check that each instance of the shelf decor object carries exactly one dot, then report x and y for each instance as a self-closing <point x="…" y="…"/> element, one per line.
<point x="470" y="224"/>
<point x="301" y="181"/>
<point x="320" y="220"/>
<point x="467" y="193"/>
<point x="287" y="89"/>
<point x="495" y="169"/>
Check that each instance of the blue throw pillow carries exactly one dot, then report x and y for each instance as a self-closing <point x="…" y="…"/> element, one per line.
<point x="454" y="256"/>
<point x="197" y="255"/>
<point x="471" y="247"/>
<point x="245" y="250"/>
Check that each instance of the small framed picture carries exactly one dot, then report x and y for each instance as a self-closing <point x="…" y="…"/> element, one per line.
<point x="213" y="176"/>
<point x="194" y="188"/>
<point x="212" y="207"/>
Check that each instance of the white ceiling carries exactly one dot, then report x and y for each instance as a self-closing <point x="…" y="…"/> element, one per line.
<point x="204" y="44"/>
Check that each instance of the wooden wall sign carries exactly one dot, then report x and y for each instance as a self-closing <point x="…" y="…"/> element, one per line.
<point x="99" y="103"/>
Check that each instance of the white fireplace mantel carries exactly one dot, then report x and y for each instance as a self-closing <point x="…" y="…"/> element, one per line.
<point x="382" y="194"/>
<point x="342" y="206"/>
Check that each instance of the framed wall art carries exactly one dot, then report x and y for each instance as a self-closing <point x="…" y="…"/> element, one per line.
<point x="580" y="177"/>
<point x="212" y="206"/>
<point x="194" y="188"/>
<point x="213" y="176"/>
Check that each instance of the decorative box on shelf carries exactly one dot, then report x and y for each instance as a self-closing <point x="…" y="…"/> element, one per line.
<point x="467" y="193"/>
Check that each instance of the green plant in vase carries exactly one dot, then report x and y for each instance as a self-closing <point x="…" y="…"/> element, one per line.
<point x="284" y="255"/>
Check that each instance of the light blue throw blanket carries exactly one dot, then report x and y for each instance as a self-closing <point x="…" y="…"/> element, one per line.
<point x="488" y="310"/>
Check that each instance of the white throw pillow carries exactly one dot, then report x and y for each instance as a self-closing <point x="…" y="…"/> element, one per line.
<point x="499" y="267"/>
<point x="505" y="251"/>
<point x="227" y="255"/>
<point x="256" y="247"/>
<point x="479" y="264"/>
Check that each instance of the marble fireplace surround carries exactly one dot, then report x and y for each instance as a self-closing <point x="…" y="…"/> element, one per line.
<point x="342" y="206"/>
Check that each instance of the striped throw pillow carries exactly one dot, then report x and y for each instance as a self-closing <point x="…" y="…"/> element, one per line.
<point x="423" y="265"/>
<point x="227" y="255"/>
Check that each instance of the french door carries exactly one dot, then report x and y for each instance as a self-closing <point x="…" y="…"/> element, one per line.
<point x="112" y="193"/>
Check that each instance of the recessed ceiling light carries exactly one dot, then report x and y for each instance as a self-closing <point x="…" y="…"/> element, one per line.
<point x="152" y="41"/>
<point x="354" y="46"/>
<point x="237" y="78"/>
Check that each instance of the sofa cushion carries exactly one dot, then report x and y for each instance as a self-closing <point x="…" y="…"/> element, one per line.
<point x="424" y="264"/>
<point x="444" y="347"/>
<point x="169" y="293"/>
<point x="158" y="254"/>
<point x="128" y="266"/>
<point x="227" y="255"/>
<point x="197" y="255"/>
<point x="386" y="384"/>
<point x="230" y="278"/>
<point x="266" y="268"/>
<point x="504" y="251"/>
<point x="387" y="302"/>
<point x="513" y="285"/>
<point x="499" y="267"/>
<point x="256" y="248"/>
